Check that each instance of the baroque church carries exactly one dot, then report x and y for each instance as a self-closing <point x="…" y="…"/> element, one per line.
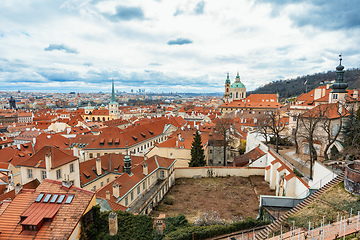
<point x="235" y="91"/>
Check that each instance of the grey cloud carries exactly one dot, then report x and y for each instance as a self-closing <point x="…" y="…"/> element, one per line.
<point x="61" y="47"/>
<point x="328" y="15"/>
<point x="179" y="41"/>
<point x="88" y="64"/>
<point x="199" y="9"/>
<point x="127" y="13"/>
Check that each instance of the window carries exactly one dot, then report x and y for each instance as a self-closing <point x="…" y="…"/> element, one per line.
<point x="210" y="151"/>
<point x="71" y="168"/>
<point x="171" y="155"/>
<point x="30" y="174"/>
<point x="98" y="154"/>
<point x="107" y="180"/>
<point x="162" y="174"/>
<point x="58" y="174"/>
<point x="144" y="185"/>
<point x="138" y="190"/>
<point x="90" y="155"/>
<point x="101" y="184"/>
<point x="335" y="96"/>
<point x="149" y="182"/>
<point x="237" y="94"/>
<point x="132" y="196"/>
<point x="126" y="201"/>
<point x="43" y="175"/>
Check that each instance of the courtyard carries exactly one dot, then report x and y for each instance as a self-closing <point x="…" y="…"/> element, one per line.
<point x="232" y="198"/>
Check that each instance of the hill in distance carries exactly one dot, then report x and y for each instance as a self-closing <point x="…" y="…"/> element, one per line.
<point x="290" y="88"/>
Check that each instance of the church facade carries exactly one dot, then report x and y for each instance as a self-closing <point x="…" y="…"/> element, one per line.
<point x="235" y="91"/>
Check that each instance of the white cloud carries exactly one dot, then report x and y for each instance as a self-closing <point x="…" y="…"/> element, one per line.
<point x="260" y="39"/>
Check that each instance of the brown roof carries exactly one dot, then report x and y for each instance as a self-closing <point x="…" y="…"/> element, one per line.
<point x="109" y="163"/>
<point x="243" y="160"/>
<point x="64" y="221"/>
<point x="58" y="158"/>
<point x="132" y="135"/>
<point x="127" y="181"/>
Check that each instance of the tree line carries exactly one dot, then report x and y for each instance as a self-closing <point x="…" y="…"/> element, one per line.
<point x="294" y="87"/>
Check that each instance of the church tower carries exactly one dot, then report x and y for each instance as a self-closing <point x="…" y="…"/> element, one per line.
<point x="338" y="92"/>
<point x="227" y="88"/>
<point x="113" y="105"/>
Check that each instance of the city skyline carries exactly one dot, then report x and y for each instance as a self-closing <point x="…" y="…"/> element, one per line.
<point x="171" y="46"/>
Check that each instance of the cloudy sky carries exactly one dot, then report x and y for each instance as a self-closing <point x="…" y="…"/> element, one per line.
<point x="171" y="45"/>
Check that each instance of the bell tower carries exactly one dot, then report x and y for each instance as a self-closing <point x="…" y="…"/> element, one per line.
<point x="338" y="89"/>
<point x="227" y="88"/>
<point x="113" y="105"/>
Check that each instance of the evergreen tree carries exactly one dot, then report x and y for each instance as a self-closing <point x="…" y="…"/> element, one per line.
<point x="197" y="152"/>
<point x="351" y="133"/>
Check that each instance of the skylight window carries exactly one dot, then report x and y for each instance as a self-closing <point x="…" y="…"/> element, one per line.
<point x="69" y="199"/>
<point x="47" y="198"/>
<point x="61" y="199"/>
<point x="38" y="199"/>
<point x="53" y="199"/>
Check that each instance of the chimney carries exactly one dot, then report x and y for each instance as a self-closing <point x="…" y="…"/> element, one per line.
<point x="116" y="190"/>
<point x="98" y="167"/>
<point x="356" y="94"/>
<point x="113" y="224"/>
<point x="107" y="195"/>
<point x="34" y="140"/>
<point x="145" y="169"/>
<point x="75" y="151"/>
<point x="18" y="146"/>
<point x="48" y="162"/>
<point x="66" y="183"/>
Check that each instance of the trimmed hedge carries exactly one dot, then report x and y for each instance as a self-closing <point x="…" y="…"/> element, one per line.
<point x="202" y="232"/>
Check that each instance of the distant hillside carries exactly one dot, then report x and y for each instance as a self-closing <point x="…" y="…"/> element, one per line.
<point x="294" y="87"/>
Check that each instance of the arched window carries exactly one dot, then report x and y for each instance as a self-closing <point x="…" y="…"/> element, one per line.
<point x="103" y="118"/>
<point x="237" y="94"/>
<point x="98" y="118"/>
<point x="93" y="119"/>
<point x="227" y="90"/>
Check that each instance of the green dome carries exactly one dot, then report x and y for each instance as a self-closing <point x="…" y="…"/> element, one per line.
<point x="237" y="85"/>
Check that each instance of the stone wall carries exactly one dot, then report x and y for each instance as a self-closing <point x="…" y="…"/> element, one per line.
<point x="207" y="171"/>
<point x="352" y="177"/>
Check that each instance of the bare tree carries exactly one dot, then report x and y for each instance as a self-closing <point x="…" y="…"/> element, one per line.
<point x="222" y="131"/>
<point x="263" y="127"/>
<point x="309" y="122"/>
<point x="334" y="112"/>
<point x="270" y="123"/>
<point x="275" y="126"/>
<point x="295" y="130"/>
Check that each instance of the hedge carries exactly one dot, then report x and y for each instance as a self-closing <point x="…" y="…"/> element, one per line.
<point x="202" y="232"/>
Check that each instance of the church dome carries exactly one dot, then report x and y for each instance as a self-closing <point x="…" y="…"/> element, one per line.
<point x="237" y="85"/>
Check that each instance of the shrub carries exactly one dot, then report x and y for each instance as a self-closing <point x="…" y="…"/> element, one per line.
<point x="203" y="232"/>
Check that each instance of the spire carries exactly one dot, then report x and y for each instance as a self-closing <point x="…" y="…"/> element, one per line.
<point x="113" y="100"/>
<point x="237" y="79"/>
<point x="127" y="162"/>
<point x="339" y="86"/>
<point x="227" y="81"/>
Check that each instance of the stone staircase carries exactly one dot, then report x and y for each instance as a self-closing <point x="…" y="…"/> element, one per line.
<point x="276" y="224"/>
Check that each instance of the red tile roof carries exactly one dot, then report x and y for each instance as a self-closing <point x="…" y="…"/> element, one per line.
<point x="60" y="227"/>
<point x="127" y="181"/>
<point x="58" y="158"/>
<point x="109" y="163"/>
